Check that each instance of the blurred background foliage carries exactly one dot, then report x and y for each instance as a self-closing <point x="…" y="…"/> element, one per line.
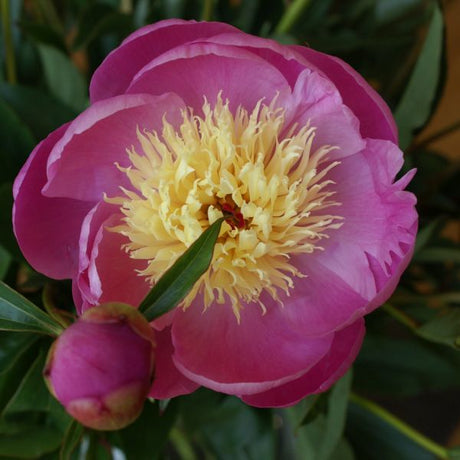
<point x="402" y="400"/>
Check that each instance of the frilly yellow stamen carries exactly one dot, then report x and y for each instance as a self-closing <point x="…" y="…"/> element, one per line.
<point x="184" y="178"/>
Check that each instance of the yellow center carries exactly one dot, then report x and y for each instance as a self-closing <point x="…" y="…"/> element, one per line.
<point x="272" y="187"/>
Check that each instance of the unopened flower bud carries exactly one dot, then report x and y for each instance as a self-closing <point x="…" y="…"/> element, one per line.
<point x="100" y="368"/>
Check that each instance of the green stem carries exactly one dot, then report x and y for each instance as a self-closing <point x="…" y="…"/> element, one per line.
<point x="208" y="9"/>
<point x="8" y="39"/>
<point x="401" y="316"/>
<point x="181" y="444"/>
<point x="401" y="426"/>
<point x="291" y="15"/>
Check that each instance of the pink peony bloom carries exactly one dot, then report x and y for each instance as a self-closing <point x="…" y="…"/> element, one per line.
<point x="188" y="120"/>
<point x="100" y="368"/>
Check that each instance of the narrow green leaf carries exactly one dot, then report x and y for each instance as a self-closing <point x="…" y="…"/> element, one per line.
<point x="177" y="282"/>
<point x="416" y="103"/>
<point x="62" y="77"/>
<point x="17" y="353"/>
<point x="19" y="314"/>
<point x="71" y="440"/>
<point x="443" y="329"/>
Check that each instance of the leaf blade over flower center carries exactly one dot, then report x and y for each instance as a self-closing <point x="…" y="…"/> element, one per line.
<point x="263" y="177"/>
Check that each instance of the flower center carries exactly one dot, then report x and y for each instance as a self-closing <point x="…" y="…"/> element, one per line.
<point x="262" y="176"/>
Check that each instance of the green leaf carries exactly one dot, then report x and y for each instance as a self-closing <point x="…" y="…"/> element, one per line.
<point x="443" y="329"/>
<point x="374" y="439"/>
<point x="32" y="396"/>
<point x="416" y="103"/>
<point x="146" y="438"/>
<point x="16" y="141"/>
<point x="63" y="79"/>
<point x="19" y="314"/>
<point x="30" y="442"/>
<point x="227" y="426"/>
<point x="71" y="440"/>
<point x="394" y="366"/>
<point x="40" y="112"/>
<point x="17" y="352"/>
<point x="7" y="238"/>
<point x="319" y="439"/>
<point x="177" y="282"/>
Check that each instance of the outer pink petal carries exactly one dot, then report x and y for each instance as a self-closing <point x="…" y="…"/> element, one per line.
<point x="168" y="381"/>
<point x="322" y="302"/>
<point x="373" y="113"/>
<point x="46" y="228"/>
<point x="379" y="223"/>
<point x="82" y="164"/>
<point x="143" y="46"/>
<point x="242" y="76"/>
<point x="315" y="100"/>
<point x="106" y="272"/>
<point x="342" y="353"/>
<point x="260" y="352"/>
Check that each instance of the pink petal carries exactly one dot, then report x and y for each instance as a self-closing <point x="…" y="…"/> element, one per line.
<point x="315" y="100"/>
<point x="321" y="303"/>
<point x="106" y="272"/>
<point x="143" y="46"/>
<point x="38" y="219"/>
<point x="379" y="220"/>
<point x="260" y="352"/>
<point x="286" y="60"/>
<point x="226" y="64"/>
<point x="168" y="381"/>
<point x="82" y="164"/>
<point x="373" y="113"/>
<point x="343" y="351"/>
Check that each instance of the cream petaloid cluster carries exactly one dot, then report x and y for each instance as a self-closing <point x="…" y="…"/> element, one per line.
<point x="266" y="178"/>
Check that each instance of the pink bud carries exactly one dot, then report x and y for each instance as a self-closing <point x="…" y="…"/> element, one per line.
<point x="100" y="368"/>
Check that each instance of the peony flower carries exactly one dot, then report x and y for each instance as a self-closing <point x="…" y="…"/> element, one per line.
<point x="189" y="121"/>
<point x="100" y="368"/>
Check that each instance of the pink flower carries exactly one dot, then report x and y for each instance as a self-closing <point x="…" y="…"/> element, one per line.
<point x="188" y="120"/>
<point x="100" y="368"/>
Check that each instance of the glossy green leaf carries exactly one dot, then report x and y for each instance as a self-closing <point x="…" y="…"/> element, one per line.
<point x="445" y="329"/>
<point x="17" y="353"/>
<point x="226" y="426"/>
<point x="71" y="440"/>
<point x="177" y="282"/>
<point x="63" y="79"/>
<point x="416" y="103"/>
<point x="19" y="314"/>
<point x="319" y="439"/>
<point x="32" y="395"/>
